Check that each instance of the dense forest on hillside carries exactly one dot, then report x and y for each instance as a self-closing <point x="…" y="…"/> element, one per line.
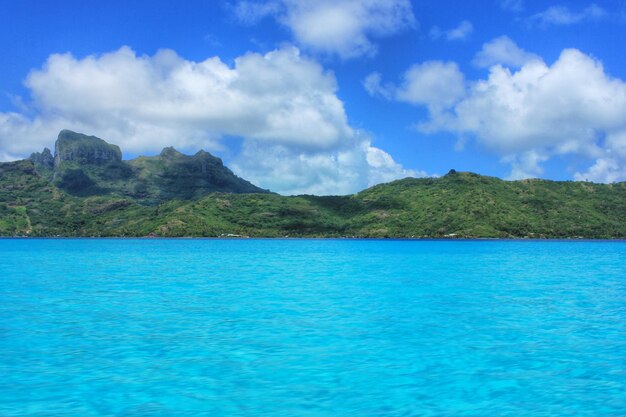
<point x="87" y="190"/>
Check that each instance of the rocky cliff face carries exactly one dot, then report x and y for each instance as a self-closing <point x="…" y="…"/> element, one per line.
<point x="173" y="175"/>
<point x="86" y="165"/>
<point x="43" y="159"/>
<point x="82" y="149"/>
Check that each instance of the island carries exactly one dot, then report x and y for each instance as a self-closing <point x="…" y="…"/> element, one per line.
<point x="86" y="189"/>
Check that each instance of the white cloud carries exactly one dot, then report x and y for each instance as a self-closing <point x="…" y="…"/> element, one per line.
<point x="144" y="103"/>
<point x="344" y="170"/>
<point x="603" y="170"/>
<point x="250" y="12"/>
<point x="611" y="166"/>
<point x="561" y="16"/>
<point x="526" y="164"/>
<point x="511" y="5"/>
<point x="346" y="28"/>
<point x="539" y="111"/>
<point x="373" y="86"/>
<point x="434" y="84"/>
<point x="565" y="106"/>
<point x="461" y="32"/>
<point x="503" y="51"/>
<point x="616" y="142"/>
<point x="19" y="135"/>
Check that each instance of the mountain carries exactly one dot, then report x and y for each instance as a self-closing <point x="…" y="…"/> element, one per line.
<point x="87" y="166"/>
<point x="86" y="189"/>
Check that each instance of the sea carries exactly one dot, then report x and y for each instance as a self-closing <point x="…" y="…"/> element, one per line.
<point x="312" y="328"/>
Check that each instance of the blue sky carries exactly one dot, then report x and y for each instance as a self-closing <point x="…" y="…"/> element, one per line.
<point x="326" y="97"/>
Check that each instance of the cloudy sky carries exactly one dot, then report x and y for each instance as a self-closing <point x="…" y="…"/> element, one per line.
<point x="326" y="96"/>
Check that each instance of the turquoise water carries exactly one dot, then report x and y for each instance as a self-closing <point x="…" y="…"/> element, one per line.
<point x="312" y="328"/>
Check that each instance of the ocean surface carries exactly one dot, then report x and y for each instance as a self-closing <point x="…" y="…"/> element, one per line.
<point x="312" y="328"/>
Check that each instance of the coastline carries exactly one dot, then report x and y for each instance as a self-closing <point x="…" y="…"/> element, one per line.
<point x="296" y="238"/>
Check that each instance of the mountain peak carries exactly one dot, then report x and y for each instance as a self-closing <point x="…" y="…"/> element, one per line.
<point x="170" y="152"/>
<point x="67" y="134"/>
<point x="82" y="149"/>
<point x="203" y="153"/>
<point x="43" y="159"/>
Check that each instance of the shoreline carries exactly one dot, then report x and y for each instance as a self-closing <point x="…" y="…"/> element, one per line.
<point x="383" y="239"/>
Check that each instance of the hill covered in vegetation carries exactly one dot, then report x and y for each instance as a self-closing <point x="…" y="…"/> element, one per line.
<point x="85" y="166"/>
<point x="86" y="189"/>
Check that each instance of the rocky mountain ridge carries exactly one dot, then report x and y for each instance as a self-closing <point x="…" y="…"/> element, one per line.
<point x="72" y="147"/>
<point x="85" y="165"/>
<point x="43" y="159"/>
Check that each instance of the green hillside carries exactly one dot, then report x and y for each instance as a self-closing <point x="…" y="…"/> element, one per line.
<point x="88" y="166"/>
<point x="90" y="191"/>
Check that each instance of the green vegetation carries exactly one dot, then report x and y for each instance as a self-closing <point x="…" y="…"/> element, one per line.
<point x="175" y="195"/>
<point x="86" y="166"/>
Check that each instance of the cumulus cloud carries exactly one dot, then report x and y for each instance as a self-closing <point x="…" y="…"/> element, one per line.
<point x="526" y="164"/>
<point x="346" y="28"/>
<point x="561" y="16"/>
<point x="434" y="84"/>
<point x="603" y="170"/>
<point x="565" y="106"/>
<point x="280" y="100"/>
<point x="503" y="51"/>
<point x="461" y="32"/>
<point x="341" y="171"/>
<point x="279" y="96"/>
<point x="538" y="111"/>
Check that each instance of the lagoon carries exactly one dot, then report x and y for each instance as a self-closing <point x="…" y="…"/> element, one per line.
<point x="124" y="327"/>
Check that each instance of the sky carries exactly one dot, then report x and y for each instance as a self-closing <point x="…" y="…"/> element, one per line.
<point x="326" y="96"/>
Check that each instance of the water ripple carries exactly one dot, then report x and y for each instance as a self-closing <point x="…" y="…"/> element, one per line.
<point x="312" y="328"/>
